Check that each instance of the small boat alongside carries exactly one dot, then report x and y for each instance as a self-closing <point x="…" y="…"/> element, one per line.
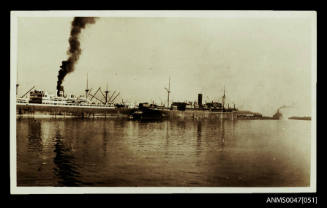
<point x="146" y="112"/>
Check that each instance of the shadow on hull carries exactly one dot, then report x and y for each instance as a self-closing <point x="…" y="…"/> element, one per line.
<point x="147" y="114"/>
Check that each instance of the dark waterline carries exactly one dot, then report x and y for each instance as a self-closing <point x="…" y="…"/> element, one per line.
<point x="103" y="152"/>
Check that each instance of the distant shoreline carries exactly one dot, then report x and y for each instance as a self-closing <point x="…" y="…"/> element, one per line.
<point x="300" y="118"/>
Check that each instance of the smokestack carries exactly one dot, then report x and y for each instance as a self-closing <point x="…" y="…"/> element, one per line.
<point x="74" y="50"/>
<point x="17" y="85"/>
<point x="200" y="100"/>
<point x="61" y="92"/>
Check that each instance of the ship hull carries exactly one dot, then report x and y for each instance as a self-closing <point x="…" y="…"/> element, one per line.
<point x="44" y="110"/>
<point x="199" y="115"/>
<point x="54" y="111"/>
<point x="147" y="115"/>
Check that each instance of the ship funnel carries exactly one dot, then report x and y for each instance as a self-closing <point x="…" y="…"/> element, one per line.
<point x="200" y="100"/>
<point x="61" y="92"/>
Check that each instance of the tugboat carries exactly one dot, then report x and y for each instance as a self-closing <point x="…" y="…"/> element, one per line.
<point x="277" y="115"/>
<point x="146" y="112"/>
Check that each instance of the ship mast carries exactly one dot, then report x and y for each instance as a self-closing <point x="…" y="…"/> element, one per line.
<point x="168" y="91"/>
<point x="106" y="93"/>
<point x="224" y="96"/>
<point x="87" y="86"/>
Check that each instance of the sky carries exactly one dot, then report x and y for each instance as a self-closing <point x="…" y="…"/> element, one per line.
<point x="263" y="62"/>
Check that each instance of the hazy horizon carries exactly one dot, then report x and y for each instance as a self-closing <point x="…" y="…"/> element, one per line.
<point x="263" y="62"/>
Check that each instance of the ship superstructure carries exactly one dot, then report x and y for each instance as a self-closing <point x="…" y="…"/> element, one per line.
<point x="38" y="96"/>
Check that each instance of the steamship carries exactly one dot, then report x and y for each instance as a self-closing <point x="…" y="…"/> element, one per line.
<point x="42" y="103"/>
<point x="60" y="99"/>
<point x="41" y="97"/>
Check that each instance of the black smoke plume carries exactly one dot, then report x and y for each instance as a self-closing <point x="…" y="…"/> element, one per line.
<point x="285" y="106"/>
<point x="74" y="50"/>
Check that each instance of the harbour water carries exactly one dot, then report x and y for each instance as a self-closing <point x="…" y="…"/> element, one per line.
<point x="119" y="152"/>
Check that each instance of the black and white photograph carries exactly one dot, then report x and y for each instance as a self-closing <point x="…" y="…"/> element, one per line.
<point x="163" y="101"/>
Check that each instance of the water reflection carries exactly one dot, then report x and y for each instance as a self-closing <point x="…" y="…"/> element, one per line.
<point x="167" y="139"/>
<point x="120" y="123"/>
<point x="181" y="126"/>
<point x="104" y="139"/>
<point x="198" y="138"/>
<point x="97" y="152"/>
<point x="222" y="135"/>
<point x="65" y="168"/>
<point x="167" y="133"/>
<point x="34" y="136"/>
